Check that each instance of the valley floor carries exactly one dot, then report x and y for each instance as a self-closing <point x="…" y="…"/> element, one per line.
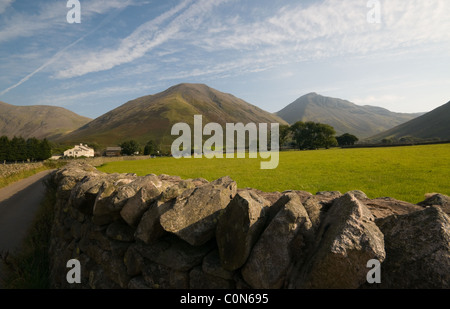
<point x="404" y="173"/>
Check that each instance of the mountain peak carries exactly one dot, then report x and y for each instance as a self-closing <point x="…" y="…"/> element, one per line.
<point x="189" y="86"/>
<point x="151" y="117"/>
<point x="344" y="116"/>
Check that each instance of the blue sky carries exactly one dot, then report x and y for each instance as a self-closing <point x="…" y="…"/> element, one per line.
<point x="267" y="52"/>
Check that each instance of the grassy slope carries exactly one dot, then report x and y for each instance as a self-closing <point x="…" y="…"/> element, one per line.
<point x="433" y="124"/>
<point x="404" y="173"/>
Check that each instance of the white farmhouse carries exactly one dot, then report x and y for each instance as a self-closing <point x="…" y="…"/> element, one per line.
<point x="80" y="151"/>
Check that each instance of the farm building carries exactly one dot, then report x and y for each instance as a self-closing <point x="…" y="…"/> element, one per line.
<point x="113" y="151"/>
<point x="80" y="151"/>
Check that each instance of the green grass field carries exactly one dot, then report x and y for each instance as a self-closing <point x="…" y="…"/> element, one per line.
<point x="405" y="173"/>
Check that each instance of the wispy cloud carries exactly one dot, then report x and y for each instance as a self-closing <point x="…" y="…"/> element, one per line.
<point x="66" y="99"/>
<point x="336" y="27"/>
<point x="55" y="57"/>
<point x="293" y="33"/>
<point x="42" y="67"/>
<point x="4" y="4"/>
<point x="152" y="34"/>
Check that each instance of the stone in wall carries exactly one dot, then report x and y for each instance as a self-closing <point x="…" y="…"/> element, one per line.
<point x="271" y="257"/>
<point x="195" y="212"/>
<point x="110" y="199"/>
<point x="149" y="228"/>
<point x="139" y="195"/>
<point x="417" y="250"/>
<point x="239" y="227"/>
<point x="437" y="199"/>
<point x="347" y="239"/>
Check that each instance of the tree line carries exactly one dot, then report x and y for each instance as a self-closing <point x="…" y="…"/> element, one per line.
<point x="302" y="135"/>
<point x="312" y="135"/>
<point x="131" y="147"/>
<point x="19" y="149"/>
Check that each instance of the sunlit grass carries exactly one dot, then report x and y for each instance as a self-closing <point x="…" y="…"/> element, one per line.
<point x="405" y="173"/>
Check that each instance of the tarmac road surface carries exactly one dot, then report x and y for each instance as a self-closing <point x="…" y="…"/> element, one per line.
<point x="19" y="203"/>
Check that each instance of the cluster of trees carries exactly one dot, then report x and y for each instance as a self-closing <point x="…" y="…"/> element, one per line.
<point x="312" y="135"/>
<point x="19" y="149"/>
<point x="132" y="147"/>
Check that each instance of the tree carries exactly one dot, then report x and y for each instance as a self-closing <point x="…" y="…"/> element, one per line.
<point x="130" y="147"/>
<point x="311" y="135"/>
<point x="33" y="145"/>
<point x="284" y="132"/>
<point x="18" y="149"/>
<point x="347" y="139"/>
<point x="45" y="150"/>
<point x="95" y="146"/>
<point x="4" y="148"/>
<point x="150" y="148"/>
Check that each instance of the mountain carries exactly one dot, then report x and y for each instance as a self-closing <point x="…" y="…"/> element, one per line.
<point x="344" y="116"/>
<point x="435" y="124"/>
<point x="38" y="121"/>
<point x="152" y="117"/>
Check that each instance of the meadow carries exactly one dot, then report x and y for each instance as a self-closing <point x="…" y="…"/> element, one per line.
<point x="405" y="173"/>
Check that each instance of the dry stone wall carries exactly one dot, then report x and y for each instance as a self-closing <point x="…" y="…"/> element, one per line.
<point x="165" y="232"/>
<point x="7" y="170"/>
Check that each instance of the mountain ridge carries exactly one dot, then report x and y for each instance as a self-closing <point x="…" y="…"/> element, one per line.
<point x="39" y="121"/>
<point x="151" y="117"/>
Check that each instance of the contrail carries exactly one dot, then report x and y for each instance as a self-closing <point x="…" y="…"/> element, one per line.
<point x="58" y="54"/>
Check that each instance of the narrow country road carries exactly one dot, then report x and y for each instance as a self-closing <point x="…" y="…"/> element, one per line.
<point x="18" y="205"/>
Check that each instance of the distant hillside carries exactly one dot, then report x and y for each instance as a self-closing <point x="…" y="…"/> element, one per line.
<point x="152" y="117"/>
<point x="435" y="124"/>
<point x="344" y="116"/>
<point x="38" y="121"/>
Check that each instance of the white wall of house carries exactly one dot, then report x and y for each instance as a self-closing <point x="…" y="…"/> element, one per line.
<point x="80" y="151"/>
